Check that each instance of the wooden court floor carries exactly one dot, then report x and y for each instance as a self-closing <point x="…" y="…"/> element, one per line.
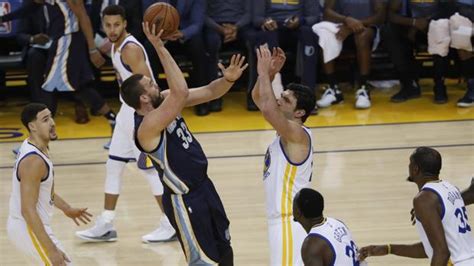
<point x="360" y="170"/>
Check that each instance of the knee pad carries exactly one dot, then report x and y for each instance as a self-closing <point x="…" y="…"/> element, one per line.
<point x="113" y="178"/>
<point x="153" y="179"/>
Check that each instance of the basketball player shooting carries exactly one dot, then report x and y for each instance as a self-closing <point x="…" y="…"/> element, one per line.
<point x="190" y="199"/>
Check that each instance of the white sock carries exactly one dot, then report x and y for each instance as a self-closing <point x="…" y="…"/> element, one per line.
<point x="164" y="221"/>
<point x="108" y="216"/>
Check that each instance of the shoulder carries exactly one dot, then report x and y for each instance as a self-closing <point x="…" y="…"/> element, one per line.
<point x="32" y="164"/>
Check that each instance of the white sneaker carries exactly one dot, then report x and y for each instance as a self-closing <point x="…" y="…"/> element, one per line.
<point x="164" y="233"/>
<point x="330" y="96"/>
<point x="362" y="99"/>
<point x="100" y="232"/>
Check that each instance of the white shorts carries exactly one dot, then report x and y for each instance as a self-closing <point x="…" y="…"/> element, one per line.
<point x="27" y="243"/>
<point x="122" y="145"/>
<point x="285" y="241"/>
<point x="469" y="262"/>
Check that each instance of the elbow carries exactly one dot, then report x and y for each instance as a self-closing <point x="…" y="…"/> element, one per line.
<point x="27" y="212"/>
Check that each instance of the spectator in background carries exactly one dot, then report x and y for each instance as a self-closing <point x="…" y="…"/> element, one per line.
<point x="227" y="21"/>
<point x="407" y="29"/>
<point x="466" y="9"/>
<point x="287" y="24"/>
<point x="359" y="29"/>
<point x="189" y="38"/>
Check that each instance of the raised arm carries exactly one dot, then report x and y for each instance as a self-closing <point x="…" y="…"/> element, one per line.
<point x="77" y="7"/>
<point x="155" y="121"/>
<point x="289" y="130"/>
<point x="31" y="172"/>
<point x="220" y="86"/>
<point x="315" y="252"/>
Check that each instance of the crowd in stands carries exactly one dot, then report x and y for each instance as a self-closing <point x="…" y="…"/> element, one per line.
<point x="316" y="32"/>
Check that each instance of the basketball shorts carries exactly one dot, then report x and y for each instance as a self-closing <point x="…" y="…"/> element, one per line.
<point x="285" y="240"/>
<point x="122" y="145"/>
<point x="200" y="222"/>
<point x="68" y="64"/>
<point x="26" y="242"/>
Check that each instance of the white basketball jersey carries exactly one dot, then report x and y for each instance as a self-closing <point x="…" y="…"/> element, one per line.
<point x="45" y="204"/>
<point x="339" y="238"/>
<point x="283" y="179"/>
<point x="457" y="230"/>
<point x="122" y="70"/>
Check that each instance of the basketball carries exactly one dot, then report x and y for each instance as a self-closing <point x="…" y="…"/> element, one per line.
<point x="164" y="16"/>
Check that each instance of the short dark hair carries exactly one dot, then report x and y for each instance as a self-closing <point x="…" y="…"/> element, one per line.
<point x="114" y="10"/>
<point x="310" y="202"/>
<point x="131" y="90"/>
<point x="428" y="161"/>
<point x="30" y="112"/>
<point x="305" y="98"/>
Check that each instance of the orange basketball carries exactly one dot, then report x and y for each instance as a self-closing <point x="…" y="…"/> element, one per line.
<point x="164" y="16"/>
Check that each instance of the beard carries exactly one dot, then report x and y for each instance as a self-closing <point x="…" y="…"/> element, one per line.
<point x="157" y="100"/>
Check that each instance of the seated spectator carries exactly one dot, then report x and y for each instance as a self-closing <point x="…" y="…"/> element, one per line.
<point x="287" y="24"/>
<point x="227" y="21"/>
<point x="466" y="9"/>
<point x="407" y="29"/>
<point x="359" y="28"/>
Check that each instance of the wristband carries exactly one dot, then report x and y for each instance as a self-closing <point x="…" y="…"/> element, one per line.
<point x="93" y="51"/>
<point x="389" y="249"/>
<point x="229" y="80"/>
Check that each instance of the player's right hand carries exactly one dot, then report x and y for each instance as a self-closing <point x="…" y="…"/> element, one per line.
<point x="152" y="35"/>
<point x="354" y="24"/>
<point x="97" y="59"/>
<point x="372" y="250"/>
<point x="264" y="60"/>
<point x="58" y="258"/>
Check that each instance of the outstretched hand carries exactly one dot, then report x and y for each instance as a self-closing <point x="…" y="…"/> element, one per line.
<point x="278" y="61"/>
<point x="235" y="69"/>
<point x="373" y="250"/>
<point x="152" y="35"/>
<point x="264" y="60"/>
<point x="80" y="214"/>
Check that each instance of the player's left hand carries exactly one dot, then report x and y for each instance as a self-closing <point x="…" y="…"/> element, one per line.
<point x="278" y="60"/>
<point x="373" y="250"/>
<point x="235" y="69"/>
<point x="80" y="214"/>
<point x="175" y="36"/>
<point x="96" y="58"/>
<point x="264" y="60"/>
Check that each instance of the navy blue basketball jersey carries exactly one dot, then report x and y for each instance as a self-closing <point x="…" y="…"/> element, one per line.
<point x="358" y="9"/>
<point x="60" y="18"/>
<point x="423" y="8"/>
<point x="178" y="158"/>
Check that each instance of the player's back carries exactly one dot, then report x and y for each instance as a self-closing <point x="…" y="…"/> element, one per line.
<point x="339" y="238"/>
<point x="45" y="204"/>
<point x="60" y="19"/>
<point x="454" y="217"/>
<point x="179" y="157"/>
<point x="283" y="178"/>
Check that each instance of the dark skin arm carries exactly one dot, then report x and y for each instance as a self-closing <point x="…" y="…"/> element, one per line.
<point x="316" y="252"/>
<point x="378" y="17"/>
<point x="331" y="15"/>
<point x="428" y="212"/>
<point x="468" y="194"/>
<point x="411" y="251"/>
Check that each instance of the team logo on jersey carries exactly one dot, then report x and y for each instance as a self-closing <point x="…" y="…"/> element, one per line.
<point x="268" y="161"/>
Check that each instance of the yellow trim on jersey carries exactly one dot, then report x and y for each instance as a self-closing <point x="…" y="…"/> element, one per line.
<point x="41" y="251"/>
<point x="290" y="212"/>
<point x="286" y="211"/>
<point x="287" y="2"/>
<point x="450" y="263"/>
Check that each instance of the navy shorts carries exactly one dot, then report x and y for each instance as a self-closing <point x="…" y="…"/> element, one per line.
<point x="68" y="64"/>
<point x="200" y="222"/>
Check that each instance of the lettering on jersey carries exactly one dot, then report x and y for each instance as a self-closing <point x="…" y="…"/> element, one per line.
<point x="172" y="126"/>
<point x="453" y="196"/>
<point x="266" y="165"/>
<point x="339" y="233"/>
